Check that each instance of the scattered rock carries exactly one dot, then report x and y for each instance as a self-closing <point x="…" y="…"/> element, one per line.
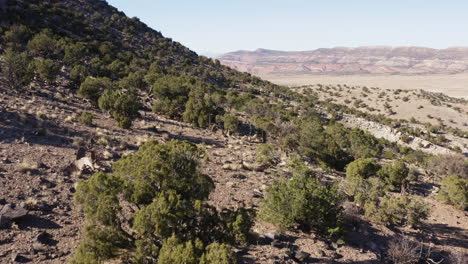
<point x="107" y="155"/>
<point x="336" y="255"/>
<point x="300" y="256"/>
<point x="41" y="241"/>
<point x="253" y="167"/>
<point x="9" y="213"/>
<point x="272" y="235"/>
<point x="232" y="167"/>
<point x="84" y="163"/>
<point x="257" y="194"/>
<point x="239" y="176"/>
<point x="15" y="257"/>
<point x="277" y="244"/>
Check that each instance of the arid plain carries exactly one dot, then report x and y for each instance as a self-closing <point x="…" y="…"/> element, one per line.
<point x="454" y="85"/>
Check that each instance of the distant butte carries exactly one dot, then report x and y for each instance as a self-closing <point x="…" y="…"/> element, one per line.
<point x="343" y="60"/>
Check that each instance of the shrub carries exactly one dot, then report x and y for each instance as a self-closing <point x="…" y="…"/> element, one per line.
<point x="77" y="75"/>
<point x="454" y="190"/>
<point x="123" y="107"/>
<point x="74" y="53"/>
<point x="135" y="80"/>
<point x="17" y="36"/>
<point x="267" y="154"/>
<point x="318" y="145"/>
<point x="18" y="69"/>
<point x="201" y="109"/>
<point x="403" y="251"/>
<point x="363" y="191"/>
<point x="92" y="88"/>
<point x="171" y="94"/>
<point x="446" y="165"/>
<point x="158" y="194"/>
<point x="230" y="123"/>
<point x="47" y="69"/>
<point x="86" y="118"/>
<point x="362" y="168"/>
<point x="395" y="175"/>
<point x="362" y="144"/>
<point x="175" y="252"/>
<point x="302" y="201"/>
<point x="218" y="254"/>
<point x="43" y="44"/>
<point x="401" y="210"/>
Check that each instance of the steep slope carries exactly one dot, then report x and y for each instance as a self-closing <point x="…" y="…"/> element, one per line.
<point x="341" y="60"/>
<point x="114" y="38"/>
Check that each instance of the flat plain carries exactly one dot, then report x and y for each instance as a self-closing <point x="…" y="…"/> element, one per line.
<point x="454" y="85"/>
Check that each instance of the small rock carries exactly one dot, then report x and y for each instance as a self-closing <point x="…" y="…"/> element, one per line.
<point x="239" y="176"/>
<point x="257" y="194"/>
<point x="107" y="155"/>
<point x="37" y="246"/>
<point x="335" y="255"/>
<point x="272" y="235"/>
<point x="9" y="213"/>
<point x="277" y="244"/>
<point x="300" y="256"/>
<point x="15" y="257"/>
<point x="43" y="237"/>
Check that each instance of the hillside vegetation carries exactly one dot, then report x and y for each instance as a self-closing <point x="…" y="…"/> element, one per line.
<point x="145" y="152"/>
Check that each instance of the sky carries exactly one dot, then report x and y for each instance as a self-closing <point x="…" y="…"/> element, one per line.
<point x="218" y="26"/>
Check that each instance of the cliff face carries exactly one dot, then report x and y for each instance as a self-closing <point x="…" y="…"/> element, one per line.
<point x="341" y="60"/>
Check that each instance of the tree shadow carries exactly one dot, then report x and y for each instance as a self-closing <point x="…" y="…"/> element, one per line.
<point x="445" y="235"/>
<point x="33" y="221"/>
<point x="32" y="130"/>
<point x="423" y="188"/>
<point x="198" y="140"/>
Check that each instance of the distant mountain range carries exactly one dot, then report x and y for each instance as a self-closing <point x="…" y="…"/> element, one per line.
<point x="342" y="60"/>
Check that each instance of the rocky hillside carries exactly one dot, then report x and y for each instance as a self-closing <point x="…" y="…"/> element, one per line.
<point x="341" y="60"/>
<point x="119" y="145"/>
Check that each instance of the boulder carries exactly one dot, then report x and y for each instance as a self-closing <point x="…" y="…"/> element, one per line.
<point x="10" y="213"/>
<point x="300" y="256"/>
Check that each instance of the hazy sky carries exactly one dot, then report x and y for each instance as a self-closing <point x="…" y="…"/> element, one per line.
<point x="218" y="26"/>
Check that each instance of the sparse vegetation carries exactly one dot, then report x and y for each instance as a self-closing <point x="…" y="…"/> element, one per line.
<point x="86" y="118"/>
<point x="47" y="69"/>
<point x="123" y="107"/>
<point x="454" y="190"/>
<point x="172" y="223"/>
<point x="267" y="154"/>
<point x="18" y="69"/>
<point x="156" y="205"/>
<point x="404" y="251"/>
<point x="303" y="201"/>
